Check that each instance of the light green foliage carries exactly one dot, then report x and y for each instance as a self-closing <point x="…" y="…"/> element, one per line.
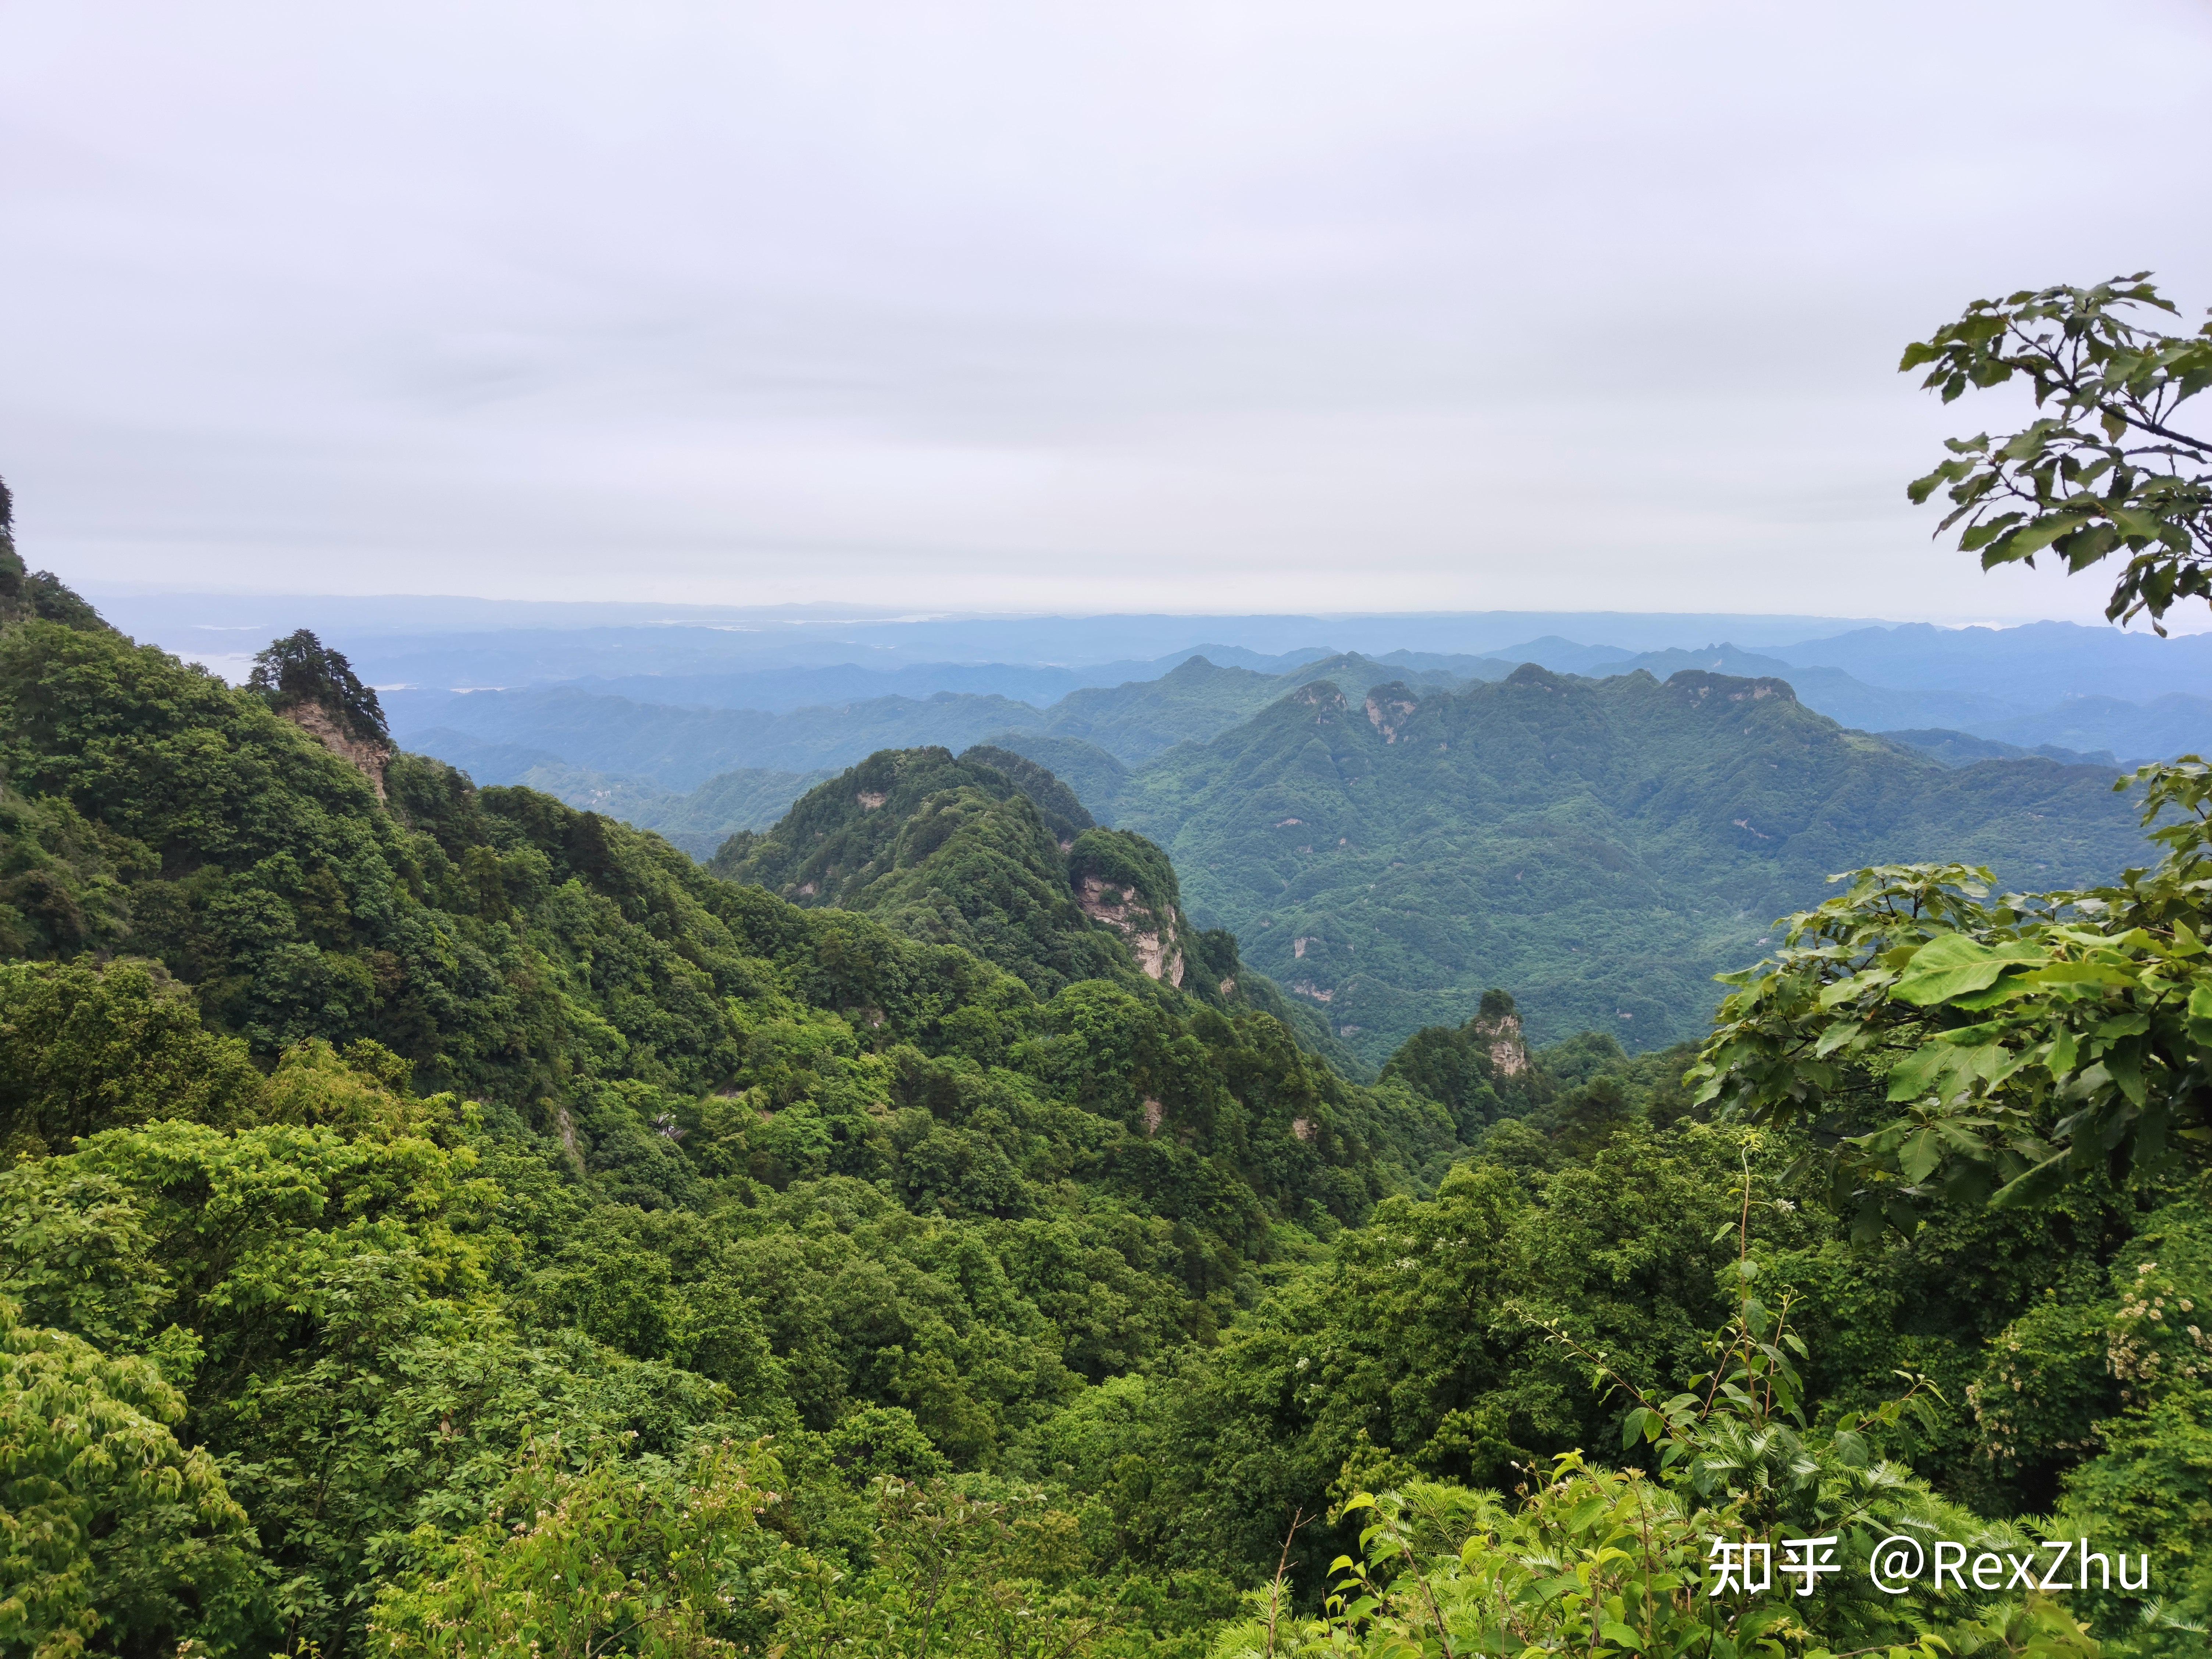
<point x="114" y="1537"/>
<point x="2146" y="1483"/>
<point x="571" y="1564"/>
<point x="1984" y="1049"/>
<point x="951" y="1574"/>
<point x="2104" y="470"/>
<point x="85" y="1048"/>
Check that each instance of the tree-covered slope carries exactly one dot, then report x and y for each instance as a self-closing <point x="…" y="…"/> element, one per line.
<point x="1095" y="776"/>
<point x="993" y="853"/>
<point x="1603" y="847"/>
<point x="957" y="851"/>
<point x="498" y="941"/>
<point x="712" y="1163"/>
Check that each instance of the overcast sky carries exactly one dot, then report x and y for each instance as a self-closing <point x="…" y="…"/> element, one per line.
<point x="1190" y="305"/>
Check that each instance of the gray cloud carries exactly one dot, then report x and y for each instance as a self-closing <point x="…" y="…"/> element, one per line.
<point x="1196" y="306"/>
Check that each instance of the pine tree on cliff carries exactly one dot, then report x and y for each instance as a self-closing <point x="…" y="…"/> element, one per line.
<point x="299" y="669"/>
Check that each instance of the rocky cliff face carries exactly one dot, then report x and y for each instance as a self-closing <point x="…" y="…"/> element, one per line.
<point x="1500" y="1033"/>
<point x="1152" y="938"/>
<point x="368" y="755"/>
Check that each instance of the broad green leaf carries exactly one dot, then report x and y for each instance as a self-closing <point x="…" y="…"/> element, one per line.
<point x="2037" y="1184"/>
<point x="1923" y="1151"/>
<point x="1951" y="963"/>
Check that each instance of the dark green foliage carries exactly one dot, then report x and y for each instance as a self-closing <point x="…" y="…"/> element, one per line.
<point x="299" y="669"/>
<point x="62" y="879"/>
<point x="1063" y="814"/>
<point x="1094" y="775"/>
<point x="944" y="851"/>
<point x="84" y="1049"/>
<point x="1479" y="1071"/>
<point x="950" y="851"/>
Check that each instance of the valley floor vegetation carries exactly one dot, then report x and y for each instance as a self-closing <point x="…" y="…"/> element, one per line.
<point x="438" y="1221"/>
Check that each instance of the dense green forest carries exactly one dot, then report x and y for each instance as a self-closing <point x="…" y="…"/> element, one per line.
<point x="1604" y="847"/>
<point x="1386" y="848"/>
<point x="438" y="1220"/>
<point x="460" y="1222"/>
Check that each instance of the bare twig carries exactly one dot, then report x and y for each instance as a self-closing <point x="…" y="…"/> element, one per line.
<point x="1282" y="1570"/>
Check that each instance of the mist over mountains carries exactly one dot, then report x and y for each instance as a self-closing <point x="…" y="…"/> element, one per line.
<point x="643" y="742"/>
<point x="1604" y="860"/>
<point x="1603" y="866"/>
<point x="2085" y="689"/>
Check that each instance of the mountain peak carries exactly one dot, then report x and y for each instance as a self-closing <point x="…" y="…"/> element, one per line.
<point x="1705" y="686"/>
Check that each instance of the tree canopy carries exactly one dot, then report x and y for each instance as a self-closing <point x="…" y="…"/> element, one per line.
<point x="301" y="668"/>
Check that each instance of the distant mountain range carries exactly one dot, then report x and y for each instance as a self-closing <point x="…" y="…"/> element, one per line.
<point x="1382" y="857"/>
<point x="588" y="746"/>
<point x="2049" y="685"/>
<point x="1599" y="848"/>
<point x="1597" y="813"/>
<point x="1407" y="880"/>
<point x="701" y="756"/>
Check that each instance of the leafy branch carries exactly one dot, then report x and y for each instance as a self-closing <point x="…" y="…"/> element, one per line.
<point x="1991" y="1049"/>
<point x="2105" y="469"/>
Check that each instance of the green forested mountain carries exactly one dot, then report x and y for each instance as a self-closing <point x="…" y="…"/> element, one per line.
<point x="751" y="798"/>
<point x="1960" y="749"/>
<point x="1605" y="847"/>
<point x="994" y="854"/>
<point x="362" y="1144"/>
<point x="962" y="852"/>
<point x="657" y="752"/>
<point x="451" y="1221"/>
<point x="1831" y="691"/>
<point x="1095" y="776"/>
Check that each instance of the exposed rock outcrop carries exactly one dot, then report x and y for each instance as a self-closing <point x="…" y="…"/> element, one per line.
<point x="369" y="755"/>
<point x="1509" y="1051"/>
<point x="1151" y="937"/>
